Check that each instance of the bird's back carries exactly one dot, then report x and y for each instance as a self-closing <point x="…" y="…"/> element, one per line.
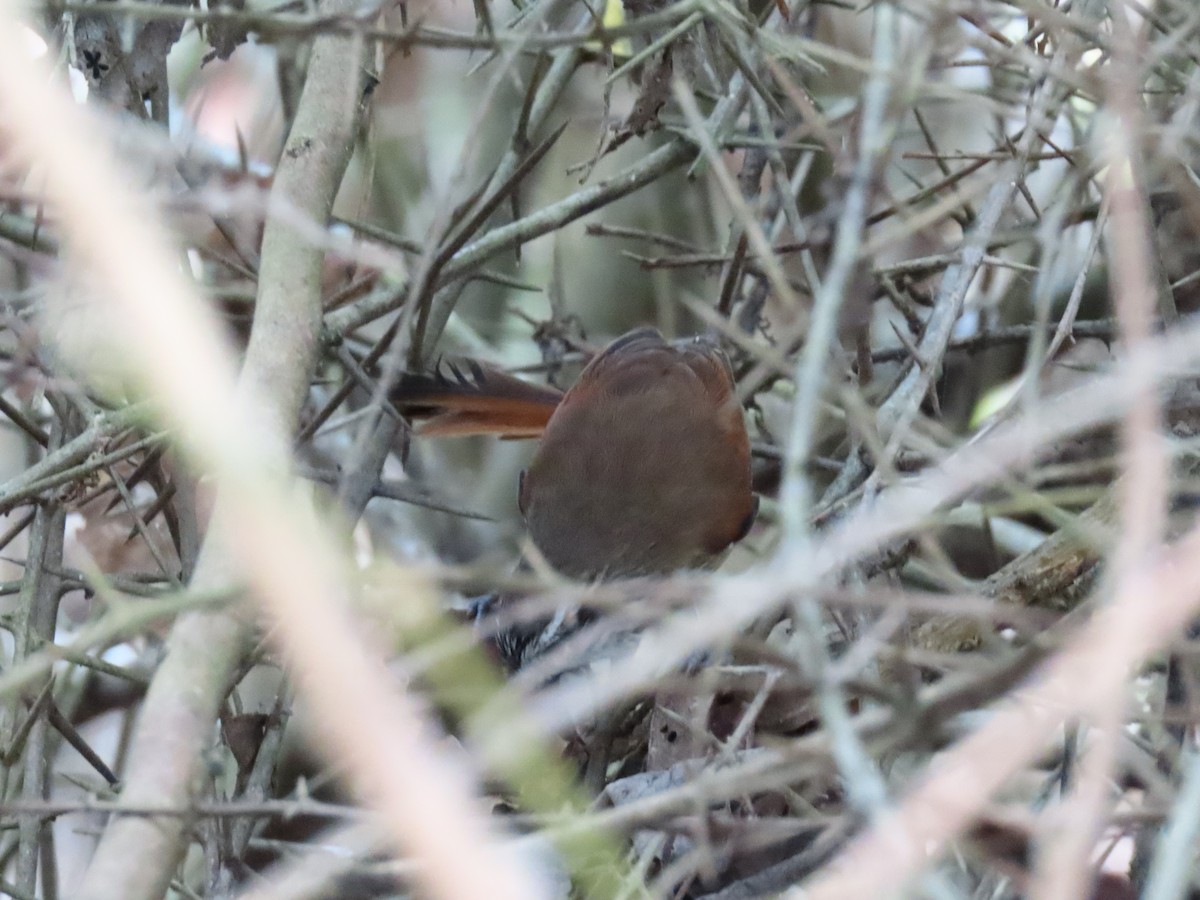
<point x="644" y="467"/>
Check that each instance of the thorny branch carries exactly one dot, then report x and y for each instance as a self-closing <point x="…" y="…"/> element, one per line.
<point x="952" y="252"/>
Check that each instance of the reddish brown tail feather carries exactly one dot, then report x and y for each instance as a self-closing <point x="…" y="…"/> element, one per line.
<point x="457" y="400"/>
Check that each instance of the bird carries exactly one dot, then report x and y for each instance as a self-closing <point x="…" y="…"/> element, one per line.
<point x="642" y="468"/>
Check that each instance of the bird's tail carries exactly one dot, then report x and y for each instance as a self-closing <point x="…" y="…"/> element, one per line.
<point x="467" y="398"/>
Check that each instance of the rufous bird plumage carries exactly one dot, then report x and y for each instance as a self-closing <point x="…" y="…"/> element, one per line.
<point x="643" y="467"/>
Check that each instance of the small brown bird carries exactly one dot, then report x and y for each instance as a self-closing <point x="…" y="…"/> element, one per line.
<point x="643" y="466"/>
